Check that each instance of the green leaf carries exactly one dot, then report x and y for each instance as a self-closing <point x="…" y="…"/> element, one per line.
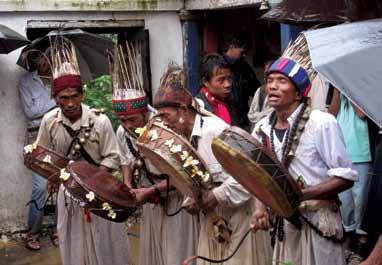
<point x="98" y="94"/>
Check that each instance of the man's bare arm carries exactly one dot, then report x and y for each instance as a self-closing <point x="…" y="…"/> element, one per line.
<point x="326" y="190"/>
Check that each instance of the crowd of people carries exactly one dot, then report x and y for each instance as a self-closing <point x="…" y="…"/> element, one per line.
<point x="329" y="151"/>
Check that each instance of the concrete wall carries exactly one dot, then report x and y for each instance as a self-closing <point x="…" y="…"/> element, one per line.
<point x="217" y="4"/>
<point x="91" y="5"/>
<point x="15" y="181"/>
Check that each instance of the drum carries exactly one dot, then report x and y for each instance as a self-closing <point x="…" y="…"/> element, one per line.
<point x="99" y="192"/>
<point x="46" y="163"/>
<point x="253" y="167"/>
<point x="173" y="155"/>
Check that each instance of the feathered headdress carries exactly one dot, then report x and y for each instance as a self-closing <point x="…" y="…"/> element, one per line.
<point x="129" y="96"/>
<point x="172" y="91"/>
<point x="298" y="51"/>
<point x="65" y="69"/>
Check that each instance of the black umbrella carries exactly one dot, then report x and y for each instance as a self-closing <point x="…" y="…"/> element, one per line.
<point x="331" y="11"/>
<point x="91" y="49"/>
<point x="10" y="40"/>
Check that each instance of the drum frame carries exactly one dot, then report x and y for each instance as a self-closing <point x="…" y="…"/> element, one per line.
<point x="78" y="188"/>
<point x="49" y="171"/>
<point x="254" y="177"/>
<point x="165" y="161"/>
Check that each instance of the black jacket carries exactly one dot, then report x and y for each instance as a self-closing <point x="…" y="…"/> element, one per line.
<point x="244" y="86"/>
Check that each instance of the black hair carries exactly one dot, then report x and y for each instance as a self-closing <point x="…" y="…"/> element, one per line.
<point x="32" y="58"/>
<point x="211" y="63"/>
<point x="239" y="40"/>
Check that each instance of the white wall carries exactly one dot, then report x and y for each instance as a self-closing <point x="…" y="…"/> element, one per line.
<point x="15" y="181"/>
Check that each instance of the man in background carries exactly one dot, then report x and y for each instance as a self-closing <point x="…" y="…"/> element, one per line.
<point x="34" y="91"/>
<point x="244" y="81"/>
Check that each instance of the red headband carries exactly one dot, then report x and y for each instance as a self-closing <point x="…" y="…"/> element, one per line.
<point x="66" y="81"/>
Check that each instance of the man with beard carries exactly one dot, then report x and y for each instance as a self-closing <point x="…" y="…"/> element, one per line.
<point x="80" y="133"/>
<point x="230" y="200"/>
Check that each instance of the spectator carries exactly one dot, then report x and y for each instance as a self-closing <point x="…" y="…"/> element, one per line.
<point x="216" y="90"/>
<point x="244" y="83"/>
<point x="34" y="91"/>
<point x="373" y="219"/>
<point x="259" y="107"/>
<point x="356" y="134"/>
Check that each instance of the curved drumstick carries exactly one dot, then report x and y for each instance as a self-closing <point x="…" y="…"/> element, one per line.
<point x="188" y="260"/>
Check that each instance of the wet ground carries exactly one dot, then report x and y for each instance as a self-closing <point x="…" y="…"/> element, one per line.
<point x="13" y="251"/>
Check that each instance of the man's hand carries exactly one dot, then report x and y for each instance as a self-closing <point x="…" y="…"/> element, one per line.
<point x="143" y="194"/>
<point x="260" y="220"/>
<point x="260" y="217"/>
<point x="128" y="183"/>
<point x="209" y="201"/>
<point x="28" y="160"/>
<point x="191" y="206"/>
<point x="51" y="187"/>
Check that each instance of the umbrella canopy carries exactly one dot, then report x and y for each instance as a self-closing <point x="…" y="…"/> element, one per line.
<point x="308" y="11"/>
<point x="331" y="11"/>
<point x="349" y="56"/>
<point x="10" y="40"/>
<point x="92" y="51"/>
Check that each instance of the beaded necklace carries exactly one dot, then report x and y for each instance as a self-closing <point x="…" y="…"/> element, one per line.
<point x="292" y="137"/>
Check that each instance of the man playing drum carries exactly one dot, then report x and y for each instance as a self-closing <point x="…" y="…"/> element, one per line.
<point x="310" y="145"/>
<point x="158" y="232"/>
<point x="76" y="131"/>
<point x="230" y="200"/>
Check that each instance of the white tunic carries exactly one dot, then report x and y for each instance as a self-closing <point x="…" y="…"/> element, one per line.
<point x="164" y="240"/>
<point x="320" y="154"/>
<point x="235" y="206"/>
<point x="100" y="242"/>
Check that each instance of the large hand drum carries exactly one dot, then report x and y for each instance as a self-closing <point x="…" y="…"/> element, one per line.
<point x="244" y="158"/>
<point x="46" y="163"/>
<point x="112" y="199"/>
<point x="171" y="154"/>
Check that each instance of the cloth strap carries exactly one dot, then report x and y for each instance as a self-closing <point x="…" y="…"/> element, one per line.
<point x="74" y="134"/>
<point x="220" y="107"/>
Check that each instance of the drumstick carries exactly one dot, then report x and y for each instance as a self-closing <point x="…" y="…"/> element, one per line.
<point x="188" y="260"/>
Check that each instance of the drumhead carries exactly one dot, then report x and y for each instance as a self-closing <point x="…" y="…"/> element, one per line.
<point x="103" y="184"/>
<point x="160" y="156"/>
<point x="159" y="161"/>
<point x="254" y="177"/>
<point x="47" y="163"/>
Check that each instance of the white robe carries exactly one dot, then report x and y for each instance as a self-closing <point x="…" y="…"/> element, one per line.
<point x="164" y="240"/>
<point x="235" y="206"/>
<point x="100" y="242"/>
<point x="321" y="153"/>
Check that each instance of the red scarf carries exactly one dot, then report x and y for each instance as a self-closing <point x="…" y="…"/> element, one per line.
<point x="219" y="107"/>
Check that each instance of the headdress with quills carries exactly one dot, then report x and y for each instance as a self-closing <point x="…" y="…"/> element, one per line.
<point x="172" y="91"/>
<point x="129" y="97"/>
<point x="65" y="69"/>
<point x="296" y="64"/>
